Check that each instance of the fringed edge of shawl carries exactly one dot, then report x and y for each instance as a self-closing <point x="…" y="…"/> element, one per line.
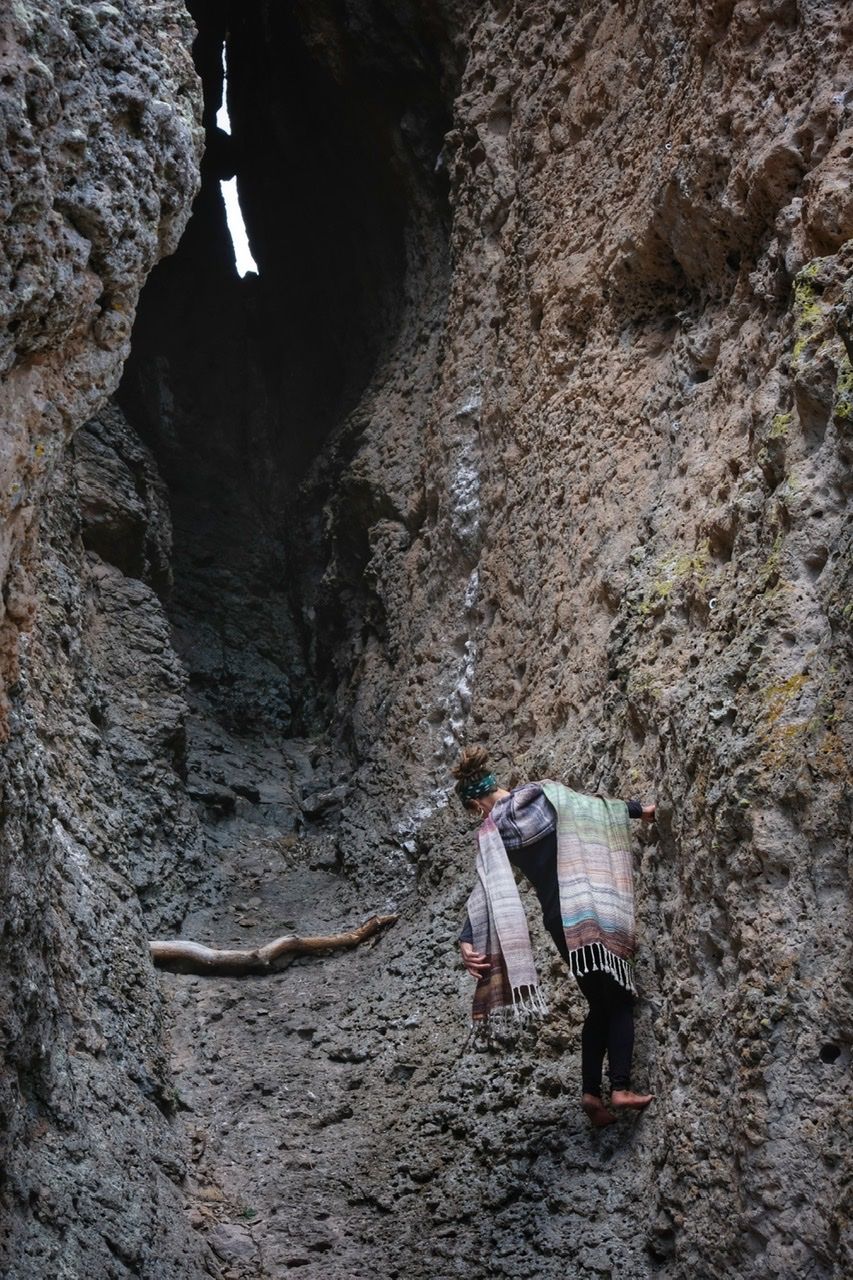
<point x="602" y="960"/>
<point x="528" y="1002"/>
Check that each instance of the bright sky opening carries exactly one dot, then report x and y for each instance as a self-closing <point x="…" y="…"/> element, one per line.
<point x="239" y="239"/>
<point x="233" y="213"/>
<point x="223" y="120"/>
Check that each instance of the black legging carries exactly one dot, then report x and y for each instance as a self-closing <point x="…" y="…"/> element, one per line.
<point x="608" y="1027"/>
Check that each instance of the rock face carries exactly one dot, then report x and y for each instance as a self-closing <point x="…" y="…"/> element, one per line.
<point x="101" y="143"/>
<point x="634" y="568"/>
<point x="101" y="146"/>
<point x="534" y="430"/>
<point x="96" y="822"/>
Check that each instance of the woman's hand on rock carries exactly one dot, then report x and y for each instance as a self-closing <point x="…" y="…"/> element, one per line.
<point x="474" y="961"/>
<point x="648" y="814"/>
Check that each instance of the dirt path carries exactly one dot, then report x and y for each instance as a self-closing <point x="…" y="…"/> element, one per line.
<point x="340" y="1131"/>
<point x="261" y="1064"/>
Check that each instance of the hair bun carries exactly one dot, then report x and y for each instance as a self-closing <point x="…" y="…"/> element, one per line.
<point x="472" y="764"/>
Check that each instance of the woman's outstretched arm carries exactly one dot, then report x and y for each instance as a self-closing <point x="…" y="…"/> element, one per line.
<point x="636" y="809"/>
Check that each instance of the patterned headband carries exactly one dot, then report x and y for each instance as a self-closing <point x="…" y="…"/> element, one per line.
<point x="472" y="790"/>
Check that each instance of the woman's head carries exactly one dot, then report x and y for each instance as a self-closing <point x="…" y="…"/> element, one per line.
<point x="474" y="779"/>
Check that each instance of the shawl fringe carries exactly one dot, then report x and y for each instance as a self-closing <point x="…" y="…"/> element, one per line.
<point x="528" y="1004"/>
<point x="529" y="1000"/>
<point x="596" y="958"/>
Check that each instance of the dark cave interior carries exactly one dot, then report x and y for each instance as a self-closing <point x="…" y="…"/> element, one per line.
<point x="338" y="111"/>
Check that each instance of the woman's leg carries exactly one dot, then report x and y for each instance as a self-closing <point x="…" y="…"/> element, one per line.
<point x="593" y="1036"/>
<point x="620" y="1032"/>
<point x="608" y="1028"/>
<point x="596" y="1037"/>
<point x="620" y="1046"/>
<point x="596" y="1028"/>
<point x="594" y="1041"/>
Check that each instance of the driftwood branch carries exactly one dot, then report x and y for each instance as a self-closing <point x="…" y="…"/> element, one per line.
<point x="191" y="957"/>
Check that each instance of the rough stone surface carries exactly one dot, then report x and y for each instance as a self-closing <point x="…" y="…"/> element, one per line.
<point x="613" y="543"/>
<point x="581" y="495"/>
<point x="100" y="145"/>
<point x="100" y="142"/>
<point x="96" y="822"/>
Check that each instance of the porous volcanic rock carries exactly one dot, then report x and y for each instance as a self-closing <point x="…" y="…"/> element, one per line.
<point x="582" y="495"/>
<point x="97" y="822"/>
<point x="613" y="543"/>
<point x="101" y="141"/>
<point x="100" y="150"/>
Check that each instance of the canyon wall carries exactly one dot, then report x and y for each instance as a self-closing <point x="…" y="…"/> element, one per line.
<point x="614" y="546"/>
<point x="101" y="143"/>
<point x="535" y="430"/>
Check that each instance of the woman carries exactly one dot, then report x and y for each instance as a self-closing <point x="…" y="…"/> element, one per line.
<point x="575" y="851"/>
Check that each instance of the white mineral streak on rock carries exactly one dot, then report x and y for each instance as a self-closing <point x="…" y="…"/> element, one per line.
<point x="447" y="726"/>
<point x="465" y="508"/>
<point x="413" y="818"/>
<point x="465" y="496"/>
<point x="464" y="486"/>
<point x="459" y="699"/>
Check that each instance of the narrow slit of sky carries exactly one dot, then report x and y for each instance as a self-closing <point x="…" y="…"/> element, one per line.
<point x="233" y="213"/>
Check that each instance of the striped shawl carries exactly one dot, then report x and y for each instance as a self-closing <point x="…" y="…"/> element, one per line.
<point x="594" y="874"/>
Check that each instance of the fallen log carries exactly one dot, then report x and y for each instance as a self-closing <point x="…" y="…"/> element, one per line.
<point x="179" y="956"/>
